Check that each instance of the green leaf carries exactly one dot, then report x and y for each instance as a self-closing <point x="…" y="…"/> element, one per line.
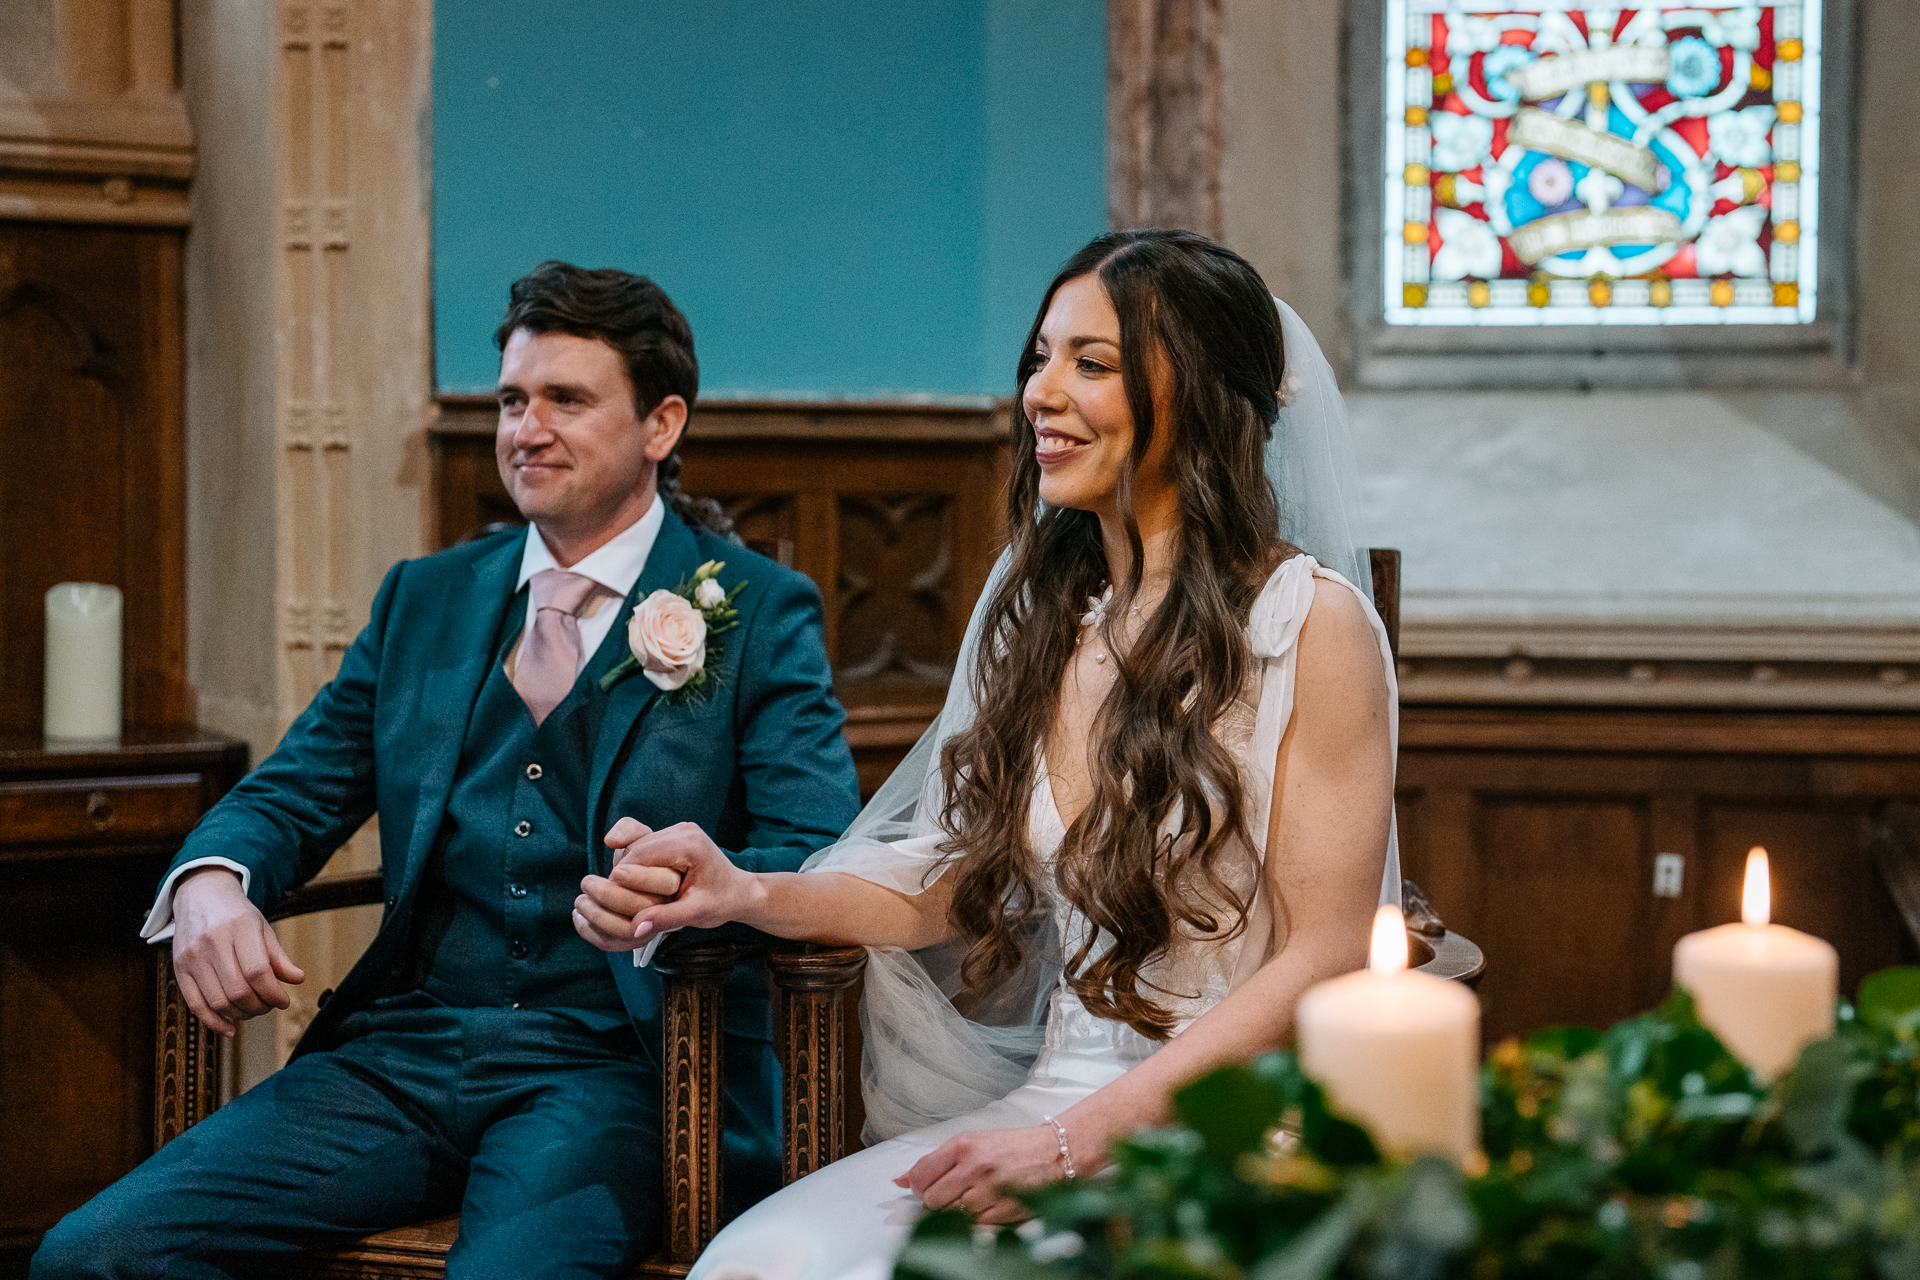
<point x="1434" y="1211"/>
<point x="1814" y="1112"/>
<point x="1564" y="1042"/>
<point x="1891" y="997"/>
<point x="1317" y="1251"/>
<point x="1232" y="1110"/>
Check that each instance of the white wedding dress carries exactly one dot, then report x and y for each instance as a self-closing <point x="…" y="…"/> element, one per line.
<point x="849" y="1219"/>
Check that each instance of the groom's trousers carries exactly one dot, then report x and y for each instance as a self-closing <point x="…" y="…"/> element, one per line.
<point x="541" y="1129"/>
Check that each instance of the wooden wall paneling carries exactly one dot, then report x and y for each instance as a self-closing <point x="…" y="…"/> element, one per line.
<point x="1552" y="870"/>
<point x="94" y="490"/>
<point x="1437" y="828"/>
<point x="1825" y="880"/>
<point x="1534" y="831"/>
<point x="1676" y="819"/>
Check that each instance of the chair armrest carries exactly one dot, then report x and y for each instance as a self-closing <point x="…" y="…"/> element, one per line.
<point x="691" y="1122"/>
<point x="810" y="988"/>
<point x="330" y="893"/>
<point x="1455" y="958"/>
<point x="186" y="1056"/>
<point x="1449" y="955"/>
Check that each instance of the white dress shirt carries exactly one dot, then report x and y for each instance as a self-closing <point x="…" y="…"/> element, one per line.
<point x="616" y="566"/>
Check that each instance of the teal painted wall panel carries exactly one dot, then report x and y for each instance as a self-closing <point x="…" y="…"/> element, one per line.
<point x="847" y="199"/>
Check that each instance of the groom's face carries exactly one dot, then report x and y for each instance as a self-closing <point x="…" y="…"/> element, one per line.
<point x="574" y="451"/>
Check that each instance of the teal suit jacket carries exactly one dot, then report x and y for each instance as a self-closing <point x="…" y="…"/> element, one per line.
<point x="760" y="764"/>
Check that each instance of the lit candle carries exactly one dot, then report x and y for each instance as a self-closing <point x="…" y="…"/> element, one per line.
<point x="1397" y="1050"/>
<point x="83" y="661"/>
<point x="1766" y="990"/>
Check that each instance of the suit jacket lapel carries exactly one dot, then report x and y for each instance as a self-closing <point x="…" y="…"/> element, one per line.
<point x="674" y="557"/>
<point x="482" y="599"/>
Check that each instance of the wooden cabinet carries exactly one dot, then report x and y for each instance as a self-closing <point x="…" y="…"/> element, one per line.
<point x="84" y="839"/>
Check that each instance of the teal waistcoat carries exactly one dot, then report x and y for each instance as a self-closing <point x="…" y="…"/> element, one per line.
<point x="494" y="920"/>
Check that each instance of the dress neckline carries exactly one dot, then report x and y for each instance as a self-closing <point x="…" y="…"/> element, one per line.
<point x="1052" y="815"/>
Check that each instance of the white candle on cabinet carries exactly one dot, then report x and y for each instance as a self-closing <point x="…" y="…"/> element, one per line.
<point x="1396" y="1050"/>
<point x="1766" y="990"/>
<point x="83" y="661"/>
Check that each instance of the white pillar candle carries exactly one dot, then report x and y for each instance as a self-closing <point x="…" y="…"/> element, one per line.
<point x="1766" y="990"/>
<point x="83" y="661"/>
<point x="1396" y="1050"/>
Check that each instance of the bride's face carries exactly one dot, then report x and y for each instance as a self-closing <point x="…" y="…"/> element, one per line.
<point x="1077" y="403"/>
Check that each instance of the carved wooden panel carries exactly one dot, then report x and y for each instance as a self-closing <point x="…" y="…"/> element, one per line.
<point x="690" y="1106"/>
<point x="898" y="615"/>
<point x="186" y="1060"/>
<point x="94" y="486"/>
<point x="810" y="1033"/>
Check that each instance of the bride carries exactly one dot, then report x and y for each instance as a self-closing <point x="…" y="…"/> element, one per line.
<point x="1157" y="805"/>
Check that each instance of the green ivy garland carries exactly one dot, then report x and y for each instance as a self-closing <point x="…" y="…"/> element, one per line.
<point x="1645" y="1152"/>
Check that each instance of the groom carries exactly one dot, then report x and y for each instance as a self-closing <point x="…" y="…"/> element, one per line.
<point x="482" y="1057"/>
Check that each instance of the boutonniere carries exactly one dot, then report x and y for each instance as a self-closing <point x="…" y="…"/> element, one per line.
<point x="673" y="634"/>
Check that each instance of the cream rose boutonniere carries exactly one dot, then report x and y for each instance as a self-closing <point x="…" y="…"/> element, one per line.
<point x="674" y="635"/>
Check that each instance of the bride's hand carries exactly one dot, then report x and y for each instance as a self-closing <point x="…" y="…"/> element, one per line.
<point x="603" y="913"/>
<point x="710" y="890"/>
<point x="971" y="1171"/>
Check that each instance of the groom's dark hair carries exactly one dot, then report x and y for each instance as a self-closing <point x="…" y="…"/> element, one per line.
<point x="635" y="317"/>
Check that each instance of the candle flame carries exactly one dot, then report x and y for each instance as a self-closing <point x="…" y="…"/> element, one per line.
<point x="1389" y="951"/>
<point x="1756" y="897"/>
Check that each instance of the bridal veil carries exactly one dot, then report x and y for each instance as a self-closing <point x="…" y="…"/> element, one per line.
<point x="925" y="1062"/>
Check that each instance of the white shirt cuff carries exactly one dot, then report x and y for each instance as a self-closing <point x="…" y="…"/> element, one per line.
<point x="159" y="925"/>
<point x="644" y="956"/>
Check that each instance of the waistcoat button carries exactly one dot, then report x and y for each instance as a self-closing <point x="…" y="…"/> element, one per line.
<point x="517" y="949"/>
<point x="516" y="891"/>
<point x="522" y="827"/>
<point x="534" y="771"/>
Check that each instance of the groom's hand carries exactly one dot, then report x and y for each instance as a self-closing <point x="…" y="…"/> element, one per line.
<point x="603" y="913"/>
<point x="712" y="891"/>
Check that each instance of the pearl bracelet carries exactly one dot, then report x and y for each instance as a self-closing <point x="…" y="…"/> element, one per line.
<point x="1060" y="1132"/>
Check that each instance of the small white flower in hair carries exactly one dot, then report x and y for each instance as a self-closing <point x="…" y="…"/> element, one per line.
<point x="1096" y="614"/>
<point x="1290" y="387"/>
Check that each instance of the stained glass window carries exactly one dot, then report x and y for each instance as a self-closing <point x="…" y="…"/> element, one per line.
<point x="1552" y="165"/>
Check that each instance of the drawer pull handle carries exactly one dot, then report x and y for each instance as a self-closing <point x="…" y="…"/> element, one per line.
<point x="100" y="810"/>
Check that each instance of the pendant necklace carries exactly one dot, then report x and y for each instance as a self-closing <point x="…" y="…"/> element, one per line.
<point x="1095" y="618"/>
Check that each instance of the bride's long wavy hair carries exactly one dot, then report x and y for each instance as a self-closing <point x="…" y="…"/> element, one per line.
<point x="1152" y="751"/>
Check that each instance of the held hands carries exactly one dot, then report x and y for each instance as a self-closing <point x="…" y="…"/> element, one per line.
<point x="971" y="1171"/>
<point x="226" y="957"/>
<point x="603" y="913"/>
<point x="662" y="881"/>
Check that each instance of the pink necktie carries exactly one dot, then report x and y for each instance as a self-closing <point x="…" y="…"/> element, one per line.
<point x="550" y="655"/>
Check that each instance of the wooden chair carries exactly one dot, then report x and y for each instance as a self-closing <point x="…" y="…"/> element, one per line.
<point x="1435" y="948"/>
<point x="810" y="987"/>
